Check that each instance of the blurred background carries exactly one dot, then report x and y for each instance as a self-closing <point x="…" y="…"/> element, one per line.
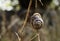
<point x="11" y="21"/>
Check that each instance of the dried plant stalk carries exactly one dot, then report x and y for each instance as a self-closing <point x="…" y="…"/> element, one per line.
<point x="3" y="23"/>
<point x="38" y="37"/>
<point x="27" y="14"/>
<point x="12" y="23"/>
<point x="41" y="2"/>
<point x="33" y="38"/>
<point x="18" y="36"/>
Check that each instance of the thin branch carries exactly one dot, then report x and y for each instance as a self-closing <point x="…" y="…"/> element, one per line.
<point x="27" y="14"/>
<point x="35" y="4"/>
<point x="38" y="36"/>
<point x="18" y="36"/>
<point x="3" y="23"/>
<point x="4" y="20"/>
<point x="12" y="23"/>
<point x="41" y="2"/>
<point x="33" y="37"/>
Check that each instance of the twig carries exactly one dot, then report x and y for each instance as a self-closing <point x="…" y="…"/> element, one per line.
<point x="3" y="23"/>
<point x="38" y="36"/>
<point x="18" y="36"/>
<point x="41" y="2"/>
<point x="36" y="5"/>
<point x="12" y="23"/>
<point x="33" y="37"/>
<point x="27" y="14"/>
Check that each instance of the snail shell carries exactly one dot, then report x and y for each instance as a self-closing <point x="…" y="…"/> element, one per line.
<point x="36" y="21"/>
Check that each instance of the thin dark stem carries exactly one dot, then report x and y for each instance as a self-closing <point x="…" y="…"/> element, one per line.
<point x="35" y="4"/>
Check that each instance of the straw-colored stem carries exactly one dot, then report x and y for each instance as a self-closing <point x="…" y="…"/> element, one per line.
<point x="27" y="14"/>
<point x="18" y="36"/>
<point x="38" y="36"/>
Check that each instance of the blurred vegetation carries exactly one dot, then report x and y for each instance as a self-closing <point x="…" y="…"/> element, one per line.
<point x="10" y="28"/>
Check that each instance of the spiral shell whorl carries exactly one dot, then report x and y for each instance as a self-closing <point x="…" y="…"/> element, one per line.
<point x="36" y="21"/>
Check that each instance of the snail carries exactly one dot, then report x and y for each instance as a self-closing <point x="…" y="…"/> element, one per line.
<point x="36" y="21"/>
